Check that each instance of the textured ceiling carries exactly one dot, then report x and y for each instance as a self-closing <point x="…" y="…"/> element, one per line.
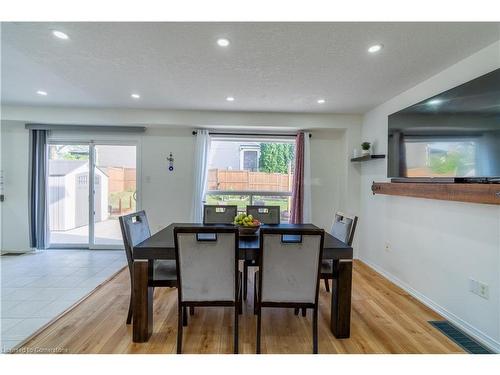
<point x="268" y="66"/>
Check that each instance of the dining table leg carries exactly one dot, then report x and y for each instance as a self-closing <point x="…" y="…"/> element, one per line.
<point x="142" y="303"/>
<point x="340" y="318"/>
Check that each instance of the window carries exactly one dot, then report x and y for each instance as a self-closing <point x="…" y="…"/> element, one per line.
<point x="249" y="158"/>
<point x="252" y="171"/>
<point x="82" y="180"/>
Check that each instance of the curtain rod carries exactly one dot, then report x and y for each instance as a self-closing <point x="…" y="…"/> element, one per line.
<point x="255" y="134"/>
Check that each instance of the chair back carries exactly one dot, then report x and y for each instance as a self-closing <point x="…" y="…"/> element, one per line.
<point x="343" y="227"/>
<point x="135" y="229"/>
<point x="214" y="214"/>
<point x="207" y="263"/>
<point x="265" y="214"/>
<point x="290" y="265"/>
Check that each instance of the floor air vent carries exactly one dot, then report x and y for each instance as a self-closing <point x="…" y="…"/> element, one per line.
<point x="458" y="337"/>
<point x="11" y="254"/>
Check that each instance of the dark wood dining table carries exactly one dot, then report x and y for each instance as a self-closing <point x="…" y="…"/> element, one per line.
<point x="161" y="246"/>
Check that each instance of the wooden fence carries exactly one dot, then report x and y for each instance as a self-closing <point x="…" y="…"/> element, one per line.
<point x="220" y="179"/>
<point x="121" y="179"/>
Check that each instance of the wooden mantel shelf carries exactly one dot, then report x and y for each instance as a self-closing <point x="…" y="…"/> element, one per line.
<point x="473" y="193"/>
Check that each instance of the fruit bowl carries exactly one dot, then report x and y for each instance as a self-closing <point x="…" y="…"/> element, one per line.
<point x="248" y="231"/>
<point x="247" y="225"/>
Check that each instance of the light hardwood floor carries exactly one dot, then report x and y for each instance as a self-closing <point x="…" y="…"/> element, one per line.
<point x="384" y="319"/>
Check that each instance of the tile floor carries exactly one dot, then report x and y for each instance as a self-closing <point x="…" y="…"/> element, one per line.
<point x="37" y="287"/>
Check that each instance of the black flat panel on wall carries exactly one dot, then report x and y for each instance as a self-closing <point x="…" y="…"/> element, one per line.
<point x="453" y="134"/>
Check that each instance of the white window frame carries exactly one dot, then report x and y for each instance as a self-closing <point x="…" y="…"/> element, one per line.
<point x="263" y="139"/>
<point x="91" y="141"/>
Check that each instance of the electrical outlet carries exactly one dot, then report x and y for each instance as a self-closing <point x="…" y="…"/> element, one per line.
<point x="479" y="288"/>
<point x="387" y="246"/>
<point x="484" y="291"/>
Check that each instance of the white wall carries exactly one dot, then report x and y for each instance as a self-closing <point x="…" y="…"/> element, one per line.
<point x="14" y="150"/>
<point x="167" y="195"/>
<point x="208" y="119"/>
<point x="328" y="175"/>
<point x="1" y="184"/>
<point x="435" y="246"/>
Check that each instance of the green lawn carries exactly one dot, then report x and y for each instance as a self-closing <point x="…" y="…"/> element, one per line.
<point x="269" y="201"/>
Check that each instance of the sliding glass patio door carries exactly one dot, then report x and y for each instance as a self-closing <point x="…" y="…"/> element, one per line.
<point x="68" y="194"/>
<point x="115" y="191"/>
<point x="89" y="187"/>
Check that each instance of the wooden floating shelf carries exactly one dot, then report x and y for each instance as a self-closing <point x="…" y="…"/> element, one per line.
<point x="473" y="193"/>
<point x="368" y="157"/>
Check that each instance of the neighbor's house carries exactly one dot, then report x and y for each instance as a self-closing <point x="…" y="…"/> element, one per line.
<point x="234" y="166"/>
<point x="69" y="189"/>
<point x="235" y="156"/>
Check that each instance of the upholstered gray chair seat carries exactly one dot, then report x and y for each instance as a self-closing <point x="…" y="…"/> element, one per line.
<point x="327" y="266"/>
<point x="290" y="269"/>
<point x="207" y="267"/>
<point x="164" y="270"/>
<point x="289" y="273"/>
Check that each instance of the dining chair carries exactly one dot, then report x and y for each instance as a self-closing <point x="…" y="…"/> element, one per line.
<point x="162" y="273"/>
<point x="208" y="271"/>
<point x="215" y="214"/>
<point x="266" y="215"/>
<point x="289" y="270"/>
<point x="343" y="229"/>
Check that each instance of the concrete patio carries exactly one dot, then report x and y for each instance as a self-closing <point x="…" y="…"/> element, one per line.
<point x="106" y="232"/>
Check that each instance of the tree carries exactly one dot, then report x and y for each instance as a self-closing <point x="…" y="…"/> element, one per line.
<point x="275" y="157"/>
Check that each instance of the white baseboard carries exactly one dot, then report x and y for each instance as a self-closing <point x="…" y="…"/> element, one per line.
<point x="486" y="340"/>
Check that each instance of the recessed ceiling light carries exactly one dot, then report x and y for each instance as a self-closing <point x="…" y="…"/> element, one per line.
<point x="230" y="98"/>
<point x="321" y="101"/>
<point x="42" y="93"/>
<point x="135" y="96"/>
<point x="375" y="48"/>
<point x="60" y="34"/>
<point x="435" y="101"/>
<point x="223" y="42"/>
